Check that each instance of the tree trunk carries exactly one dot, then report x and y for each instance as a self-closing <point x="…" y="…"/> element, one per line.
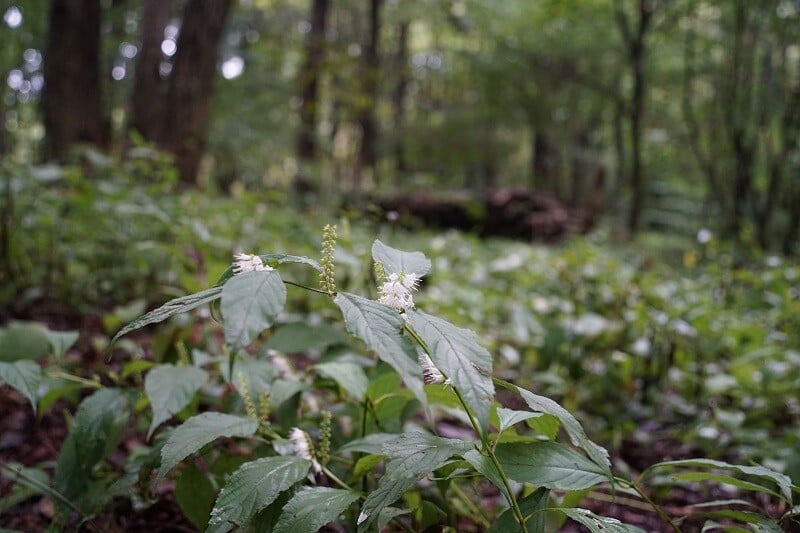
<point x="399" y="98"/>
<point x="147" y="99"/>
<point x="367" y="154"/>
<point x="71" y="102"/>
<point x="188" y="99"/>
<point x="309" y="81"/>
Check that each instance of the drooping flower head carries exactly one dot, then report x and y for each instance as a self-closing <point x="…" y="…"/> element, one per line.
<point x="249" y="263"/>
<point x="303" y="448"/>
<point x="396" y="290"/>
<point x="430" y="374"/>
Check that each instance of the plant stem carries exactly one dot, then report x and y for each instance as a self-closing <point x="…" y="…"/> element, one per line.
<point x="657" y="508"/>
<point x="476" y="513"/>
<point x="487" y="448"/>
<point x="77" y="379"/>
<point x="306" y="287"/>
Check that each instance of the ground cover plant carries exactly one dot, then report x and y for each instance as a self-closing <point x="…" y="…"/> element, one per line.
<point x="275" y="409"/>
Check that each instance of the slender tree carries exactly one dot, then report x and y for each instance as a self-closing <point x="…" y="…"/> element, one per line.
<point x="72" y="111"/>
<point x="148" y="97"/>
<point x="308" y="79"/>
<point x="367" y="154"/>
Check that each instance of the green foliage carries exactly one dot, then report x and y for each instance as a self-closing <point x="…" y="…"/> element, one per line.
<point x="245" y="388"/>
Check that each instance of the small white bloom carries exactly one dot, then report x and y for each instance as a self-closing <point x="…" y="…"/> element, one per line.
<point x="301" y="445"/>
<point x="249" y="263"/>
<point x="396" y="291"/>
<point x="704" y="236"/>
<point x="430" y="374"/>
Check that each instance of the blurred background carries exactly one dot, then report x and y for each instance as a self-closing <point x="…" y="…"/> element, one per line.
<point x="670" y="114"/>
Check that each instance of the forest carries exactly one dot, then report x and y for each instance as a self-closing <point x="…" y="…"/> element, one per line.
<point x="400" y="265"/>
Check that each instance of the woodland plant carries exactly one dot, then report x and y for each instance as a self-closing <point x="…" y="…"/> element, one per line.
<point x="407" y="425"/>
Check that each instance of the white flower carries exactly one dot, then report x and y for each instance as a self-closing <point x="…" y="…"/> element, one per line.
<point x="396" y="291"/>
<point x="430" y="374"/>
<point x="704" y="236"/>
<point x="249" y="263"/>
<point x="301" y="445"/>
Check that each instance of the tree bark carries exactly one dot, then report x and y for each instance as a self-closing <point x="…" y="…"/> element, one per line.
<point x="367" y="153"/>
<point x="148" y="97"/>
<point x="399" y="98"/>
<point x="188" y="99"/>
<point x="309" y="81"/>
<point x="71" y="100"/>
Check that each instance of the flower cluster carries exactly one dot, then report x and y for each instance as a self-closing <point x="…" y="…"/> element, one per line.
<point x="396" y="290"/>
<point x="249" y="263"/>
<point x="303" y="448"/>
<point x="431" y="374"/>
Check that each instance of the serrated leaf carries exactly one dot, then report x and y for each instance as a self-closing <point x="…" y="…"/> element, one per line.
<point x="198" y="431"/>
<point x="24" y="376"/>
<point x="509" y="417"/>
<point x="381" y="330"/>
<point x="250" y="303"/>
<point x="173" y="307"/>
<point x="783" y="481"/>
<point x="599" y="524"/>
<point x="536" y="501"/>
<point x="253" y="487"/>
<point x="349" y="376"/>
<point x="549" y="464"/>
<point x="313" y="507"/>
<point x="170" y="388"/>
<point x="411" y="455"/>
<point x="571" y="425"/>
<point x="60" y="341"/>
<point x="96" y="430"/>
<point x="372" y="443"/>
<point x="398" y="261"/>
<point x="467" y="364"/>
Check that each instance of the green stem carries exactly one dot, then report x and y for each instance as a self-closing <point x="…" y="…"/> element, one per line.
<point x="335" y="479"/>
<point x="46" y="490"/>
<point x="76" y="379"/>
<point x="657" y="508"/>
<point x="477" y="515"/>
<point x="306" y="287"/>
<point x="487" y="448"/>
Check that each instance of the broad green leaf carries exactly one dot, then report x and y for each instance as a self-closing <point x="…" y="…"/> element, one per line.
<point x="301" y="336"/>
<point x="763" y="523"/>
<point x="173" y="307"/>
<point x="24" y="376"/>
<point x="251" y="302"/>
<point x="484" y="466"/>
<point x="783" y="481"/>
<point x="387" y="514"/>
<point x="549" y="464"/>
<point x="60" y="341"/>
<point x="381" y="330"/>
<point x="398" y="261"/>
<point x="599" y="524"/>
<point x="23" y="340"/>
<point x="372" y="443"/>
<point x="96" y="431"/>
<point x="536" y="501"/>
<point x="571" y="425"/>
<point x="410" y="456"/>
<point x="509" y="417"/>
<point x="313" y="507"/>
<point x="199" y="431"/>
<point x="195" y="494"/>
<point x="170" y="388"/>
<point x="723" y="479"/>
<point x="467" y="364"/>
<point x="253" y="487"/>
<point x="349" y="376"/>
